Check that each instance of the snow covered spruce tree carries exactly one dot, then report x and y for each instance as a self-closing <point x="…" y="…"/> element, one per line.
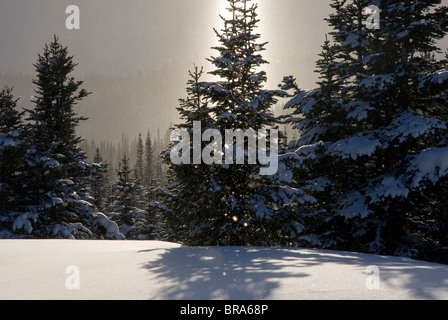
<point x="373" y="146"/>
<point x="12" y="150"/>
<point x="57" y="175"/>
<point x="223" y="202"/>
<point x="99" y="182"/>
<point x="127" y="206"/>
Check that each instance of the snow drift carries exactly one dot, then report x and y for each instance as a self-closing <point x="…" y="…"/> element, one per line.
<point x="121" y="270"/>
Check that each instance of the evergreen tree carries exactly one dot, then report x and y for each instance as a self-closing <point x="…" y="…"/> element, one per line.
<point x="139" y="163"/>
<point x="12" y="150"/>
<point x="228" y="204"/>
<point x="385" y="117"/>
<point x="99" y="181"/>
<point x="182" y="196"/>
<point x="57" y="174"/>
<point x="148" y="175"/>
<point x="11" y="119"/>
<point x="125" y="187"/>
<point x="128" y="202"/>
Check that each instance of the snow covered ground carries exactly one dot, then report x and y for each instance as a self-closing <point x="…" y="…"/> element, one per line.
<point x="71" y="269"/>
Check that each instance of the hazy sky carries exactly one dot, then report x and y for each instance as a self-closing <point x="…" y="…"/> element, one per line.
<point x="122" y="37"/>
<point x="118" y="36"/>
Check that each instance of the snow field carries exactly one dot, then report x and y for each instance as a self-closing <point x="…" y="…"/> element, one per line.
<point x="154" y="270"/>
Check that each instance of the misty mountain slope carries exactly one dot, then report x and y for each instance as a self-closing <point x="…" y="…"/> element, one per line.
<point x="53" y="269"/>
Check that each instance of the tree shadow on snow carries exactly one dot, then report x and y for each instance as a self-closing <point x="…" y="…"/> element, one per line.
<point x="231" y="273"/>
<point x="253" y="273"/>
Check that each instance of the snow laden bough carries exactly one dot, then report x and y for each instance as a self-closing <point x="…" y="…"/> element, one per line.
<point x="89" y="224"/>
<point x="426" y="166"/>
